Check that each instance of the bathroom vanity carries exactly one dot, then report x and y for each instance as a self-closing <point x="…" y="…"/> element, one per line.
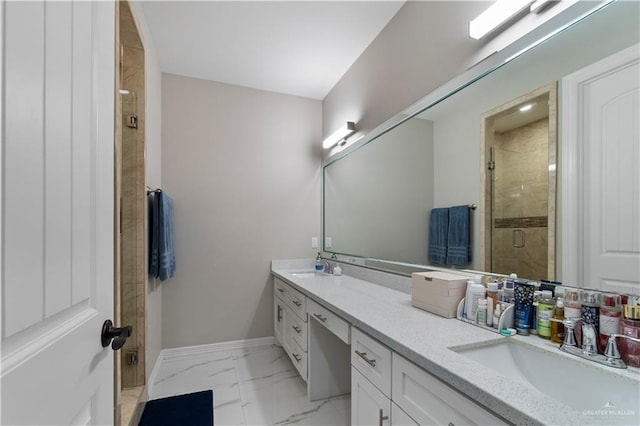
<point x="405" y="366"/>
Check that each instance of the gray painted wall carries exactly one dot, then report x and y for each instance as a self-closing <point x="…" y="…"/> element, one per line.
<point x="243" y="168"/>
<point x="423" y="46"/>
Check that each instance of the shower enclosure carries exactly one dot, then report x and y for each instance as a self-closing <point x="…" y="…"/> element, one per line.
<point x="520" y="195"/>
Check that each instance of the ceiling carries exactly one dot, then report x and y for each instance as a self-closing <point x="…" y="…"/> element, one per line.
<point x="301" y="48"/>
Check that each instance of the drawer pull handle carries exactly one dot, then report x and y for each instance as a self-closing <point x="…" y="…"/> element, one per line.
<point x="320" y="317"/>
<point x="281" y="290"/>
<point x="363" y="355"/>
<point x="279" y="313"/>
<point x="297" y="303"/>
<point x="297" y="329"/>
<point x="451" y="424"/>
<point x="296" y="356"/>
<point x="382" y="417"/>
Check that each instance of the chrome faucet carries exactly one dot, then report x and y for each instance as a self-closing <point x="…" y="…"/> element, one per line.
<point x="328" y="267"/>
<point x="611" y="352"/>
<point x="589" y="340"/>
<point x="589" y="348"/>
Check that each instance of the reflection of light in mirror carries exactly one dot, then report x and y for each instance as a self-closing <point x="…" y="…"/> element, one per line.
<point x="526" y="108"/>
<point x="552" y="167"/>
<point x="124" y="92"/>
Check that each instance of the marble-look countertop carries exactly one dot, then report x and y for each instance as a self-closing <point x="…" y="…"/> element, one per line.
<point x="426" y="339"/>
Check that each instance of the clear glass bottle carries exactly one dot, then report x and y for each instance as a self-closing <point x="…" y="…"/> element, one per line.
<point x="610" y="315"/>
<point x="546" y="307"/>
<point x="630" y="325"/>
<point x="557" y="328"/>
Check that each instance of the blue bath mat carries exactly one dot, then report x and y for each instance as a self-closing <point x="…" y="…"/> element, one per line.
<point x="193" y="409"/>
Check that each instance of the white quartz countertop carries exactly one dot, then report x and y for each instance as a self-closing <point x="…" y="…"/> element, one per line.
<point x="426" y="339"/>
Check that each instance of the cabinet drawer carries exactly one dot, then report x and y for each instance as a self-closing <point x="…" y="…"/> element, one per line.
<point x="372" y="359"/>
<point x="292" y="297"/>
<point x="334" y="323"/>
<point x="296" y="329"/>
<point x="431" y="402"/>
<point x="298" y="357"/>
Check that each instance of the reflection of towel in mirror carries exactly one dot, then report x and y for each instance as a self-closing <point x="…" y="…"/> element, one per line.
<point x="438" y="229"/>
<point x="162" y="260"/>
<point x="459" y="236"/>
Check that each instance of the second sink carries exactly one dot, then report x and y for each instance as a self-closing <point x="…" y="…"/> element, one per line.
<point x="590" y="389"/>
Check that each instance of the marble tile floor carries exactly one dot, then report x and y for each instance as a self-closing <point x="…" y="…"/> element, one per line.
<point x="255" y="386"/>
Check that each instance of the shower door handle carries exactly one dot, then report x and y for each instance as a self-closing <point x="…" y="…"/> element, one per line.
<point x="514" y="238"/>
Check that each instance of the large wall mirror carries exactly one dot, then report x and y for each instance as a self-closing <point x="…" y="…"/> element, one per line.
<point x="378" y="195"/>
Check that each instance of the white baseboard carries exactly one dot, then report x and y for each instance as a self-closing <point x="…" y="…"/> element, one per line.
<point x="203" y="349"/>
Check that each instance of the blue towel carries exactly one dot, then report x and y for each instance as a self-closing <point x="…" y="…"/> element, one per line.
<point x="438" y="229"/>
<point x="162" y="260"/>
<point x="459" y="236"/>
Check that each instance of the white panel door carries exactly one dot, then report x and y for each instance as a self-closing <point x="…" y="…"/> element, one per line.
<point x="601" y="134"/>
<point x="58" y="90"/>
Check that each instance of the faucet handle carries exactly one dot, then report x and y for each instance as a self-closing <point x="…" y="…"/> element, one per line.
<point x="611" y="351"/>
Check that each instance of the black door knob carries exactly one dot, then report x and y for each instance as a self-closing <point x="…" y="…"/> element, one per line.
<point x="114" y="335"/>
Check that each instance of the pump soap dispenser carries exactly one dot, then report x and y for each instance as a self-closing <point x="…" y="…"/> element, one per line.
<point x="319" y="263"/>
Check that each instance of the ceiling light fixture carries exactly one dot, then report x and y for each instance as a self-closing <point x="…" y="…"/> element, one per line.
<point x="526" y="107"/>
<point x="339" y="135"/>
<point x="496" y="15"/>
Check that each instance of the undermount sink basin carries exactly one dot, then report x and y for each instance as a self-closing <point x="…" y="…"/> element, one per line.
<point x="590" y="389"/>
<point x="309" y="274"/>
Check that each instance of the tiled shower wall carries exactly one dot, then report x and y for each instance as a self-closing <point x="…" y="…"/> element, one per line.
<point x="134" y="198"/>
<point x="521" y="200"/>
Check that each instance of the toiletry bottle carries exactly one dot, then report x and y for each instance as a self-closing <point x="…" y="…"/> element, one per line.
<point x="475" y="292"/>
<point x="546" y="306"/>
<point x="534" y="312"/>
<point x="496" y="316"/>
<point x="319" y="263"/>
<point x="481" y="315"/>
<point x="630" y="325"/>
<point x="610" y="314"/>
<point x="591" y="309"/>
<point x="489" y="312"/>
<point x="523" y="294"/>
<point x="557" y="328"/>
<point x="572" y="303"/>
<point x="492" y="292"/>
<point x="508" y="294"/>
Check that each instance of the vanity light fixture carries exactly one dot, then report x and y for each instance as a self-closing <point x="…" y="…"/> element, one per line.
<point x="340" y="135"/>
<point x="538" y="6"/>
<point x="497" y="14"/>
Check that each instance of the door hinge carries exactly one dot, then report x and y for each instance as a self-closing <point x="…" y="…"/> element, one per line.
<point x="491" y="165"/>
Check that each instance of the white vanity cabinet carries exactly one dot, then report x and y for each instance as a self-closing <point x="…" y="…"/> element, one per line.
<point x="370" y="380"/>
<point x="387" y="389"/>
<point x="369" y="406"/>
<point x="431" y="402"/>
<point x="290" y="323"/>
